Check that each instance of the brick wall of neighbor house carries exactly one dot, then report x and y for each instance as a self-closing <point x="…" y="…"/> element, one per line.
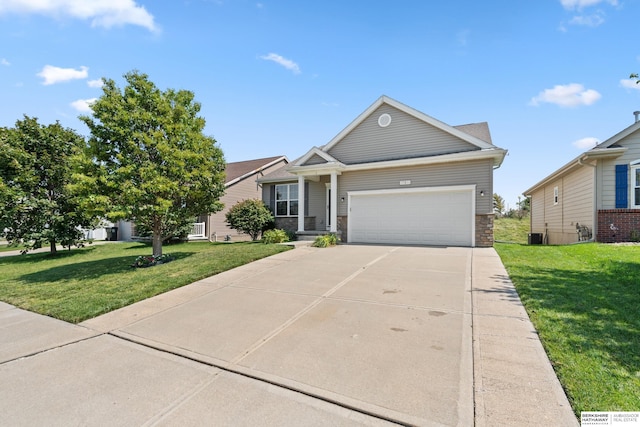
<point x="484" y="230"/>
<point x="290" y="223"/>
<point x="617" y="225"/>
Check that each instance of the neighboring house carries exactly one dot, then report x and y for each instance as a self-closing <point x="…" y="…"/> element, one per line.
<point x="394" y="175"/>
<point x="240" y="185"/>
<point x="594" y="196"/>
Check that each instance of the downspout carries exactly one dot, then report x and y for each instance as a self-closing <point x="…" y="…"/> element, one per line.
<point x="595" y="198"/>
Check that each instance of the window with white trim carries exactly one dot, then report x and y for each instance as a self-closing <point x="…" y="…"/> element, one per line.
<point x="555" y="195"/>
<point x="286" y="199"/>
<point x="635" y="185"/>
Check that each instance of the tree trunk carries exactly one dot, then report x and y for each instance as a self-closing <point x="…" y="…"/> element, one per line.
<point x="52" y="245"/>
<point x="157" y="243"/>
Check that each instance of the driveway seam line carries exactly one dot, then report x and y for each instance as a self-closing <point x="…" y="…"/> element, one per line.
<point x="35" y="353"/>
<point x="262" y="341"/>
<point x="263" y="380"/>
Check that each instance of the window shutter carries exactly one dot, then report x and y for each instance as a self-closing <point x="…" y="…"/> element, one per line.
<point x="621" y="186"/>
<point x="272" y="198"/>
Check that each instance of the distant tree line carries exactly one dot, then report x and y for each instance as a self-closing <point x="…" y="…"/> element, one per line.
<point x="521" y="210"/>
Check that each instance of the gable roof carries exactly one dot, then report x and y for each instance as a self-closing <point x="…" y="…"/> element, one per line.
<point x="468" y="137"/>
<point x="479" y="130"/>
<point x="605" y="149"/>
<point x="475" y="134"/>
<point x="237" y="171"/>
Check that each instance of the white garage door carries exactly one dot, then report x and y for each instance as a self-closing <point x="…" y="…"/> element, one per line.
<point x="424" y="216"/>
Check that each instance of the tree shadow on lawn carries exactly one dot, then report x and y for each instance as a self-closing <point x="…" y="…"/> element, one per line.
<point x="597" y="310"/>
<point x="29" y="258"/>
<point x="93" y="269"/>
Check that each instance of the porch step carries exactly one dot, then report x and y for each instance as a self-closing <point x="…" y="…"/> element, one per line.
<point x="310" y="235"/>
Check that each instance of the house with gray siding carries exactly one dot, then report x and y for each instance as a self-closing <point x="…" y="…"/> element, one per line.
<point x="595" y="196"/>
<point x="240" y="184"/>
<point x="394" y="175"/>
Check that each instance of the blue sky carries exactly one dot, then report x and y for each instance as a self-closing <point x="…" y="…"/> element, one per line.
<point x="278" y="77"/>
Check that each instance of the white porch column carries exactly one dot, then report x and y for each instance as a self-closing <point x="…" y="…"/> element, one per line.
<point x="334" y="202"/>
<point x="301" y="212"/>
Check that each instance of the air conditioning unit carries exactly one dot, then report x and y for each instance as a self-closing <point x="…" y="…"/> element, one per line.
<point x="535" y="238"/>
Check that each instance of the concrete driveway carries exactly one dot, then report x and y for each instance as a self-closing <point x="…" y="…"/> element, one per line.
<point x="349" y="335"/>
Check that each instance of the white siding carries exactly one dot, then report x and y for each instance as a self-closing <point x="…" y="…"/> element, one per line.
<point x="578" y="203"/>
<point x="575" y="206"/>
<point x="538" y="211"/>
<point x="405" y="137"/>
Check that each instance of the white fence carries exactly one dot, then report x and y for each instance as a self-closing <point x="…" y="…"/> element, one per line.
<point x="197" y="232"/>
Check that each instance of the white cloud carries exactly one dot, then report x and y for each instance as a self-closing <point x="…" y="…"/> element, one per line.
<point x="286" y="63"/>
<point x="581" y="4"/>
<point x="571" y="95"/>
<point x="52" y="75"/>
<point x="4" y="62"/>
<point x="629" y="84"/>
<point x="593" y="20"/>
<point x="95" y="83"/>
<point x="586" y="143"/>
<point x="102" y="13"/>
<point x="83" y="105"/>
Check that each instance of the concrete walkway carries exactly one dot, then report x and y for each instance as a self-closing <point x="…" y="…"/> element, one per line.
<point x="352" y="335"/>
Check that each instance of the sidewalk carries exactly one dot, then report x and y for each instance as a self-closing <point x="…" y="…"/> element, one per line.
<point x="514" y="382"/>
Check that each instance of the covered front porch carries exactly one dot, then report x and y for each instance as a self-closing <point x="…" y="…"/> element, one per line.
<point x="309" y="205"/>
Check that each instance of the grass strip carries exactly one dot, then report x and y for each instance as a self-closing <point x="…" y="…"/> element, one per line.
<point x="84" y="283"/>
<point x="584" y="302"/>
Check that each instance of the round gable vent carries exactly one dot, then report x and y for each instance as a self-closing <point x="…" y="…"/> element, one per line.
<point x="384" y="120"/>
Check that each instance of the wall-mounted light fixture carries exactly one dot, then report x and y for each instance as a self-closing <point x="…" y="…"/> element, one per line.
<point x="482" y="193"/>
<point x="342" y="199"/>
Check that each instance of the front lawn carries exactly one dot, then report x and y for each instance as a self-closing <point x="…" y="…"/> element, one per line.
<point x="83" y="283"/>
<point x="584" y="300"/>
<point x="5" y="247"/>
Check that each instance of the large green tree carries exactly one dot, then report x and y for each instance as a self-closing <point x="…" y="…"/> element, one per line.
<point x="38" y="204"/>
<point x="153" y="162"/>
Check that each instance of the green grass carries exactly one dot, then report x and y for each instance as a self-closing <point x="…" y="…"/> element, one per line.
<point x="83" y="283"/>
<point x="512" y="230"/>
<point x="4" y="247"/>
<point x="584" y="300"/>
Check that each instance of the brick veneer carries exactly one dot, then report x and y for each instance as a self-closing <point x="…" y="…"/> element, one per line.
<point x="290" y="223"/>
<point x="484" y="230"/>
<point x="616" y="225"/>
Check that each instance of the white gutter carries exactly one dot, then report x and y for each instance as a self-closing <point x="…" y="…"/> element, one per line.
<point x="421" y="161"/>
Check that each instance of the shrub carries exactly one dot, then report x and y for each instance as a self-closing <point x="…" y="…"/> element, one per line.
<point x="325" y="241"/>
<point x="249" y="216"/>
<point x="275" y="236"/>
<point x="144" y="261"/>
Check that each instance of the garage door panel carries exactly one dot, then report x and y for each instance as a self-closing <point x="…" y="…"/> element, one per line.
<point x="420" y="217"/>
